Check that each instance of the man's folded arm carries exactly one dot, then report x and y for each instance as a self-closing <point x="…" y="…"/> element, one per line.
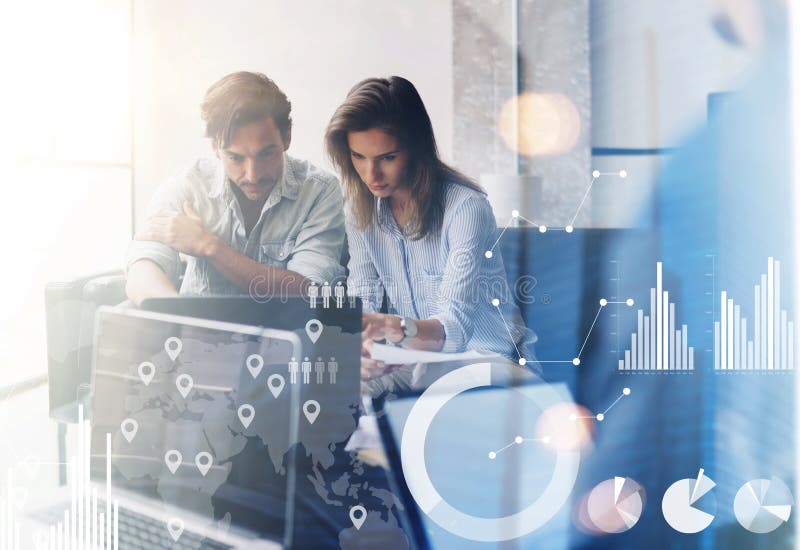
<point x="151" y="271"/>
<point x="253" y="277"/>
<point x="147" y="280"/>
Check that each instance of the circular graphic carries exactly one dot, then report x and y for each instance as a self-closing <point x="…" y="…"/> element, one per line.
<point x="412" y="453"/>
<point x="615" y="505"/>
<point x="763" y="505"/>
<point x="688" y="505"/>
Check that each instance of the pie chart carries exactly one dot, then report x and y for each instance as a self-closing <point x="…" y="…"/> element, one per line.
<point x="688" y="505"/>
<point x="763" y="505"/>
<point x="615" y="505"/>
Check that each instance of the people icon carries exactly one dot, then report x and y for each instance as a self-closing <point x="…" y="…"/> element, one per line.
<point x="326" y="295"/>
<point x="333" y="366"/>
<point x="313" y="292"/>
<point x="352" y="300"/>
<point x="319" y="368"/>
<point x="293" y="368"/>
<point x="306" y="366"/>
<point x="338" y="292"/>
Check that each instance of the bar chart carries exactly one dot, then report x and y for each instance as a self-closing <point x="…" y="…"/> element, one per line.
<point x="85" y="524"/>
<point x="658" y="343"/>
<point x="771" y="347"/>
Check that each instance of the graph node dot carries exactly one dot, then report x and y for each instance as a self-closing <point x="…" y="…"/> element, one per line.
<point x="518" y="440"/>
<point x="522" y="361"/>
<point x="515" y="213"/>
<point x="542" y="229"/>
<point x="569" y="229"/>
<point x="623" y="173"/>
<point x="492" y="455"/>
<point x="629" y="302"/>
<point x="488" y="254"/>
<point x="600" y="417"/>
<point x="626" y="391"/>
<point x="596" y="174"/>
<point x="603" y="302"/>
<point x="495" y="302"/>
<point x="576" y="361"/>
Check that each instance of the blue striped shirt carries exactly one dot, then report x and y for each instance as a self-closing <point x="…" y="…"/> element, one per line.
<point x="444" y="277"/>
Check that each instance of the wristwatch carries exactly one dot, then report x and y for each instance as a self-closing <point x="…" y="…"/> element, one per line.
<point x="409" y="327"/>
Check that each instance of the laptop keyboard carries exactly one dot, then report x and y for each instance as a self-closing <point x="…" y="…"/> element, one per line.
<point x="137" y="531"/>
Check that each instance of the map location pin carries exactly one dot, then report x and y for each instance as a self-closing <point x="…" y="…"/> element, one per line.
<point x="246" y="414"/>
<point x="173" y="459"/>
<point x="275" y="383"/>
<point x="204" y="460"/>
<point x="184" y="383"/>
<point x="147" y="371"/>
<point x="129" y="427"/>
<point x="173" y="347"/>
<point x="175" y="527"/>
<point x="358" y="515"/>
<point x="254" y="364"/>
<point x="314" y="330"/>
<point x="311" y="410"/>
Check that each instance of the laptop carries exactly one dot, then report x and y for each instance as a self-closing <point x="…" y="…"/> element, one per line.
<point x="193" y="423"/>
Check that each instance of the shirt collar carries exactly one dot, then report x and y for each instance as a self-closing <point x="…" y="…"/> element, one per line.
<point x="386" y="218"/>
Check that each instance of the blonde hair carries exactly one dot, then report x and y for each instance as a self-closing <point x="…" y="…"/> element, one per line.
<point x="393" y="105"/>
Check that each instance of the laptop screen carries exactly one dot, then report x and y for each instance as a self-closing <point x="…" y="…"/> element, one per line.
<point x="200" y="417"/>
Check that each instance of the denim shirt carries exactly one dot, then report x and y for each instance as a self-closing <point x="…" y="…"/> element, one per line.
<point x="445" y="277"/>
<point x="301" y="226"/>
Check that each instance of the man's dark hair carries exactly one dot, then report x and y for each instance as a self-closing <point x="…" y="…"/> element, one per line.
<point x="242" y="98"/>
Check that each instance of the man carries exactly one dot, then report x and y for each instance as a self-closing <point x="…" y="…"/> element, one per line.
<point x="254" y="220"/>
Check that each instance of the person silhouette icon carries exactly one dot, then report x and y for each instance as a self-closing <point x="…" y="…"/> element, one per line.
<point x="338" y="293"/>
<point x="313" y="292"/>
<point x="326" y="295"/>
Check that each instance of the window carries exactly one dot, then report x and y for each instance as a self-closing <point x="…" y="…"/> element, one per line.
<point x="65" y="153"/>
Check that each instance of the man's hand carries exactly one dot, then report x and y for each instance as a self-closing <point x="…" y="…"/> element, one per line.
<point x="183" y="231"/>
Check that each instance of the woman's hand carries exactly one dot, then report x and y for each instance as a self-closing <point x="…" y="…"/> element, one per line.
<point x="377" y="326"/>
<point x="372" y="368"/>
<point x="380" y="326"/>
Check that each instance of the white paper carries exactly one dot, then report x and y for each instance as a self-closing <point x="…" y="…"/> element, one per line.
<point x="394" y="355"/>
<point x="366" y="436"/>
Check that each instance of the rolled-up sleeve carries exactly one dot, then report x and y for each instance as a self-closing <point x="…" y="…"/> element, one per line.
<point x="468" y="235"/>
<point x="362" y="279"/>
<point x="169" y="196"/>
<point x="318" y="248"/>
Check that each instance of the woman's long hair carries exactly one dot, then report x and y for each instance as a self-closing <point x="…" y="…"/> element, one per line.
<point x="393" y="105"/>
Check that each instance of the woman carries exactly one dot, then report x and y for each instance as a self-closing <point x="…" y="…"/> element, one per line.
<point x="418" y="230"/>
